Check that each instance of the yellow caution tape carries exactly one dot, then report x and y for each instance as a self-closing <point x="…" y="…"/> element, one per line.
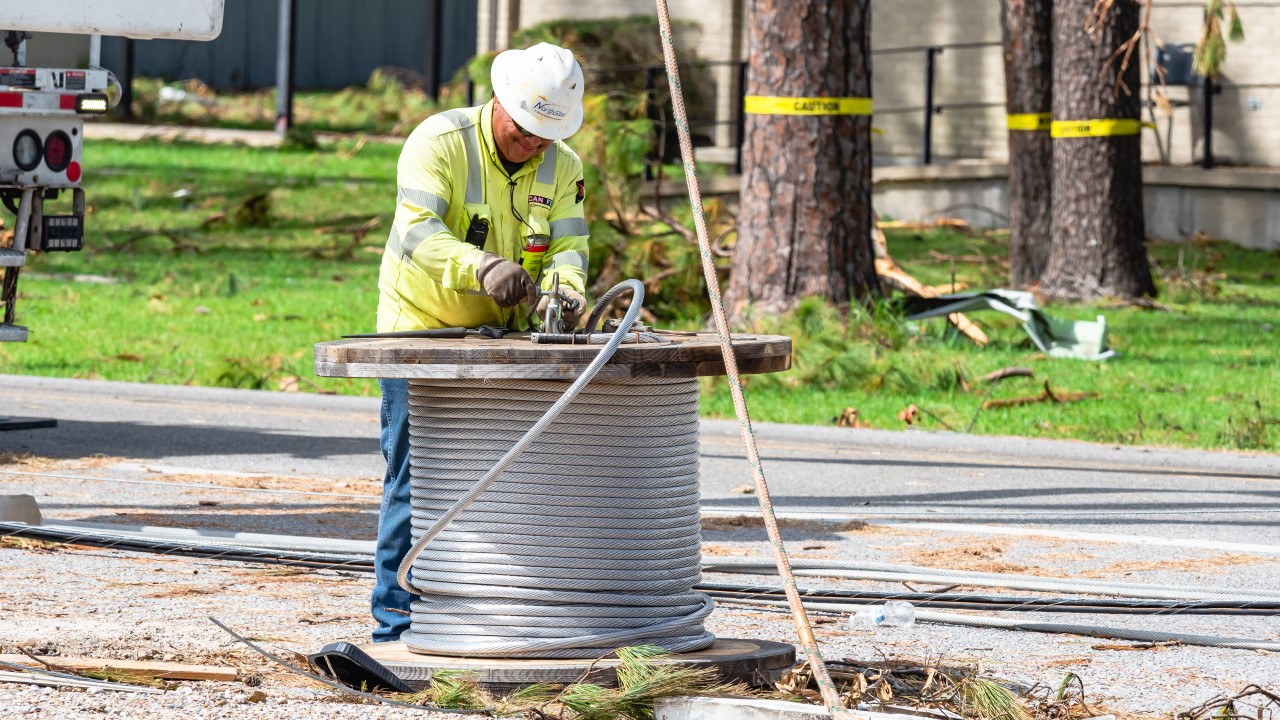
<point x="1097" y="128"/>
<point x="1030" y="121"/>
<point x="765" y="105"/>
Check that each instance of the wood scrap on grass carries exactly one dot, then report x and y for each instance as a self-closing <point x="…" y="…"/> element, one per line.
<point x="894" y="276"/>
<point x="1047" y="395"/>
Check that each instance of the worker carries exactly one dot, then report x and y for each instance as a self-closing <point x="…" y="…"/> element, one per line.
<point x="488" y="209"/>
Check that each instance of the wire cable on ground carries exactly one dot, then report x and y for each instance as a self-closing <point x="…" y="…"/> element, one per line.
<point x="908" y="573"/>
<point x="82" y="681"/>
<point x="930" y="513"/>
<point x="817" y="599"/>
<point x="997" y="603"/>
<point x="830" y="695"/>
<point x="1097" y="631"/>
<point x="344" y="689"/>
<point x="358" y="555"/>
<point x="372" y="498"/>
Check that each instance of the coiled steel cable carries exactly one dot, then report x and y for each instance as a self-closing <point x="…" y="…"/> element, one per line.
<point x="589" y="541"/>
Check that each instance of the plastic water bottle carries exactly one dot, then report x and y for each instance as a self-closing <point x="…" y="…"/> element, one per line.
<point x="894" y="613"/>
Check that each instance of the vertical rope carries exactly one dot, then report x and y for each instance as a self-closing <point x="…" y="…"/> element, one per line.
<point x="830" y="696"/>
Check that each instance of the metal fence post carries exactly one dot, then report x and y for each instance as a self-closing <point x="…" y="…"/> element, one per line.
<point x="435" y="39"/>
<point x="651" y="91"/>
<point x="284" y="66"/>
<point x="125" y="108"/>
<point x="930" y="56"/>
<point x="1206" y="160"/>
<point x="742" y="116"/>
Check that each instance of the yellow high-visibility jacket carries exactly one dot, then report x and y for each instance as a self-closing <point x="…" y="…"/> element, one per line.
<point x="449" y="174"/>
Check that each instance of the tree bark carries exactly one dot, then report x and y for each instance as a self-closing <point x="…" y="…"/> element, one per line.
<point x="1027" y="27"/>
<point x="1099" y="235"/>
<point x="804" y="226"/>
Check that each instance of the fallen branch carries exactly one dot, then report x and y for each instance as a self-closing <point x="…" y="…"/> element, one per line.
<point x="943" y="222"/>
<point x="947" y="289"/>
<point x="892" y="275"/>
<point x="1008" y="372"/>
<point x="1061" y="398"/>
<point x="1140" y="646"/>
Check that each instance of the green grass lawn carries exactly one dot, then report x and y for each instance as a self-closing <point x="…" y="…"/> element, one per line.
<point x="198" y="296"/>
<point x="1205" y="372"/>
<point x="208" y="283"/>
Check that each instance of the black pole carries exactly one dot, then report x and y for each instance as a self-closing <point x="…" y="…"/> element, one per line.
<point x="435" y="38"/>
<point x="651" y="92"/>
<point x="742" y="115"/>
<point x="930" y="54"/>
<point x="285" y="37"/>
<point x="125" y="109"/>
<point x="1206" y="160"/>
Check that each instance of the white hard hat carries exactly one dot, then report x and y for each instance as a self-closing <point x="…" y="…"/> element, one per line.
<point x="541" y="89"/>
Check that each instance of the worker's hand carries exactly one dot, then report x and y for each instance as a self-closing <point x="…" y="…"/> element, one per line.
<point x="504" y="281"/>
<point x="568" y="316"/>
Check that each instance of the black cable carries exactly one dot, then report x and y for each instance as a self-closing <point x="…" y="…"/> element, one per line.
<point x="744" y="594"/>
<point x="339" y="686"/>
<point x="748" y="596"/>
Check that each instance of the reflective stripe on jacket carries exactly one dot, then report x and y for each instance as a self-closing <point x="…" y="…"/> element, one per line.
<point x="449" y="173"/>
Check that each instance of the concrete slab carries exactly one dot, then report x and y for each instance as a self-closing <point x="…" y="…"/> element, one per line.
<point x="716" y="708"/>
<point x="20" y="508"/>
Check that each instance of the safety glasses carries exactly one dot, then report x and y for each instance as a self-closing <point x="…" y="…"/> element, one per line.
<point x="524" y="132"/>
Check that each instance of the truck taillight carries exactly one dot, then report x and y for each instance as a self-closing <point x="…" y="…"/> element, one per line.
<point x="57" y="151"/>
<point x="27" y="150"/>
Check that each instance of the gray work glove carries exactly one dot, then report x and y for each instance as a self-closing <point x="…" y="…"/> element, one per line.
<point x="569" y="317"/>
<point x="505" y="281"/>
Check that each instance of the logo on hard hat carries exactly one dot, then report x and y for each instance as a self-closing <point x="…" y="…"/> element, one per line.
<point x="548" y="110"/>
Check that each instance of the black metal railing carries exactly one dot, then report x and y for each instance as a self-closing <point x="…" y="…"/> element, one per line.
<point x="928" y="109"/>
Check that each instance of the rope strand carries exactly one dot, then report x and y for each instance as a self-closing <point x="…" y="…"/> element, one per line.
<point x="830" y="695"/>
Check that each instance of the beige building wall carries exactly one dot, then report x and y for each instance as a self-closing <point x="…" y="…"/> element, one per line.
<point x="969" y="76"/>
<point x="969" y="81"/>
<point x="1246" y="115"/>
<point x="720" y="35"/>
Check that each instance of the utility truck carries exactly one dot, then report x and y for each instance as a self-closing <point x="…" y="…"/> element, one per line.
<point x="42" y="112"/>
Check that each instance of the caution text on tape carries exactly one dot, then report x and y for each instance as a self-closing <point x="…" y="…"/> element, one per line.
<point x="1030" y="121"/>
<point x="1112" y="127"/>
<point x="768" y="105"/>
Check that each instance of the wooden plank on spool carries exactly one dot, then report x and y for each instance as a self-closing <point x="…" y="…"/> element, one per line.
<point x="515" y="356"/>
<point x="756" y="662"/>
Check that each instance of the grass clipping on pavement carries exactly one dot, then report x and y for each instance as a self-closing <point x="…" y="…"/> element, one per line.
<point x="642" y="679"/>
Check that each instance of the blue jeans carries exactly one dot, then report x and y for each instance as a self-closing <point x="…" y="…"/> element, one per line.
<point x="395" y="535"/>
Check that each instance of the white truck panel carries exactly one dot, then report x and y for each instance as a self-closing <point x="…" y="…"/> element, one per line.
<point x="42" y="175"/>
<point x="143" y="19"/>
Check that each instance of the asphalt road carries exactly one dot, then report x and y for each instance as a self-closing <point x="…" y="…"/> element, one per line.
<point x="190" y="457"/>
<point x="920" y="476"/>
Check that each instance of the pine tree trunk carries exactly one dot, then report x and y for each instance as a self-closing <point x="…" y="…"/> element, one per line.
<point x="1099" y="236"/>
<point x="804" y="226"/>
<point x="1028" y="77"/>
